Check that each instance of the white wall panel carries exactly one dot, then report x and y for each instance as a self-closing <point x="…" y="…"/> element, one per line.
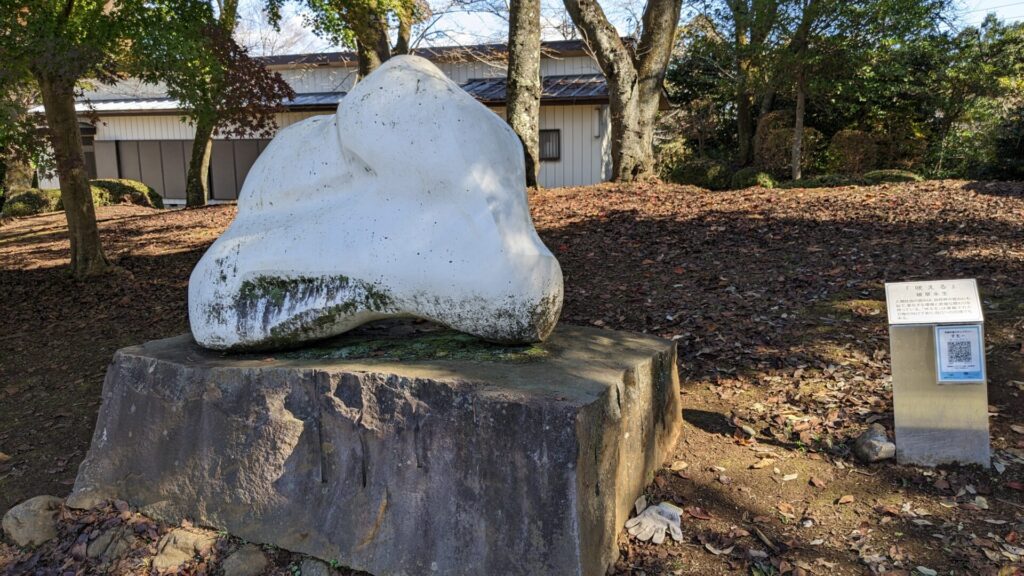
<point x="169" y="126"/>
<point x="568" y="65"/>
<point x="462" y="72"/>
<point x="585" y="149"/>
<point x="585" y="143"/>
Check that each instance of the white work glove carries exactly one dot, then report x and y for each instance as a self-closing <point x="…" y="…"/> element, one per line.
<point x="654" y="520"/>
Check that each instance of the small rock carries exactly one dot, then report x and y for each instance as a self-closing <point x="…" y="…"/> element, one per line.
<point x="181" y="545"/>
<point x="246" y="561"/>
<point x="314" y="567"/>
<point x="874" y="445"/>
<point x="110" y="544"/>
<point x="33" y="522"/>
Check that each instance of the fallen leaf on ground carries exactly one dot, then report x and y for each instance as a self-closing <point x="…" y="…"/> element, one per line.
<point x="697" y="512"/>
<point x="718" y="552"/>
<point x="847" y="499"/>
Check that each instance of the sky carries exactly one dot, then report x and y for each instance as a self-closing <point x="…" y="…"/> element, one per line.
<point x="974" y="11"/>
<point x="477" y="28"/>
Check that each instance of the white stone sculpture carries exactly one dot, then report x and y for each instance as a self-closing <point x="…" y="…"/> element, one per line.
<point x="409" y="201"/>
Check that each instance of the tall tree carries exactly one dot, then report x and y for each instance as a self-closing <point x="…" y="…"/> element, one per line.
<point x="754" y="30"/>
<point x="217" y="84"/>
<point x="523" y="85"/>
<point x="799" y="48"/>
<point x="634" y="74"/>
<point x="57" y="44"/>
<point x="822" y="29"/>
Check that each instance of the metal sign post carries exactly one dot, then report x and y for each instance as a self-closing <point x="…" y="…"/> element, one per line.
<point x="940" y="397"/>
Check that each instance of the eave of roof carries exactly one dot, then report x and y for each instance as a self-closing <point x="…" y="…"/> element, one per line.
<point x="167" y="105"/>
<point x="571" y="89"/>
<point x="558" y="90"/>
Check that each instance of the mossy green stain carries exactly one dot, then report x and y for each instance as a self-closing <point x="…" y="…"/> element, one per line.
<point x="276" y="290"/>
<point x="279" y="306"/>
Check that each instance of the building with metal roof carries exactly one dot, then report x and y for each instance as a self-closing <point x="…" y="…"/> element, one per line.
<point x="141" y="133"/>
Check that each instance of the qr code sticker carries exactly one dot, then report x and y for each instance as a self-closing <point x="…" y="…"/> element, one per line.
<point x="959" y="351"/>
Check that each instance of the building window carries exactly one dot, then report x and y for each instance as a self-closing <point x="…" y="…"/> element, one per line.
<point x="551" y="145"/>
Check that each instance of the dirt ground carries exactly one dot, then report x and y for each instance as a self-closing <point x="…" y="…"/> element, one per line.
<point x="776" y="301"/>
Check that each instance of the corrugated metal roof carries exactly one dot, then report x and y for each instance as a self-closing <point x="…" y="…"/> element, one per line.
<point x="556" y="89"/>
<point x="123" y="105"/>
<point x="441" y="53"/>
<point x="315" y="100"/>
<point x="564" y="89"/>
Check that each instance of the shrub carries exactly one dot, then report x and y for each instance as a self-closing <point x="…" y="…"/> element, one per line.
<point x="853" y="152"/>
<point x="751" y="176"/>
<point x="881" y="176"/>
<point x="777" y="150"/>
<point x="822" y="181"/>
<point x="766" y="124"/>
<point x="30" y="201"/>
<point x="702" y="172"/>
<point x="1009" y="145"/>
<point x="129" y="191"/>
<point x="901" y="146"/>
<point x="670" y="155"/>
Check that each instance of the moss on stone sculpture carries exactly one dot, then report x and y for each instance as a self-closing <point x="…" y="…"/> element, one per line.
<point x="429" y="345"/>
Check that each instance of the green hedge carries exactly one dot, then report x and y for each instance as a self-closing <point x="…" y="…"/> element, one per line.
<point x="822" y="181"/>
<point x="705" y="173"/>
<point x="30" y="201"/>
<point x="751" y="176"/>
<point x="129" y="191"/>
<point x="894" y="176"/>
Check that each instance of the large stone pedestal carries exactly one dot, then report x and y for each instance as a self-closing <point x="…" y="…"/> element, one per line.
<point x="401" y="452"/>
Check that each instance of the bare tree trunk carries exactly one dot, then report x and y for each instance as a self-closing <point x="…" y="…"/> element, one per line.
<point x="197" y="181"/>
<point x="373" y="47"/>
<point x="799" y="47"/>
<point x="798" y="126"/>
<point x="634" y="81"/>
<point x="523" y="81"/>
<point x="404" y="37"/>
<point x="365" y="63"/>
<point x="197" y="184"/>
<point x="744" y="130"/>
<point x="744" y="99"/>
<point x="87" y="258"/>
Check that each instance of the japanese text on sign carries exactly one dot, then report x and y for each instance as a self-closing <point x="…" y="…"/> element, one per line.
<point x="933" y="301"/>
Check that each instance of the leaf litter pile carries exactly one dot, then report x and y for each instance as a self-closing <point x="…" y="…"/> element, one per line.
<point x="774" y="297"/>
